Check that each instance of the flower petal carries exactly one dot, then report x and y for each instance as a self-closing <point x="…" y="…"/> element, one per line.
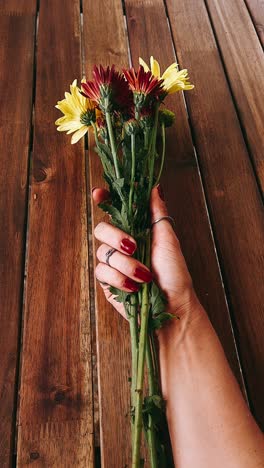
<point x="143" y="64"/>
<point x="78" y="135"/>
<point x="155" y="68"/>
<point x="172" y="68"/>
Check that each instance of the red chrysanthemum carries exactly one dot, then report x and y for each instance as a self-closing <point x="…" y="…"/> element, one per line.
<point x="142" y="82"/>
<point x="108" y="82"/>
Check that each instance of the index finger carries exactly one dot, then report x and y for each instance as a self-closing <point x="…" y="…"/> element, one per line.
<point x="115" y="237"/>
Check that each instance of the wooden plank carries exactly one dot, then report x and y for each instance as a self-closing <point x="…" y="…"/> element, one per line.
<point x="231" y="189"/>
<point x="105" y="43"/>
<point x="256" y="9"/>
<point x="244" y="63"/>
<point x="55" y="425"/>
<point x="181" y="180"/>
<point x="17" y="25"/>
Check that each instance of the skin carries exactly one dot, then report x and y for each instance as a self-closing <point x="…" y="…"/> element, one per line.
<point x="209" y="422"/>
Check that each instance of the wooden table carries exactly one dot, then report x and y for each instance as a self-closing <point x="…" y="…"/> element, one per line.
<point x="50" y="331"/>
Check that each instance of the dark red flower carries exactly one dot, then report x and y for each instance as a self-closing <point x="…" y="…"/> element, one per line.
<point x="108" y="84"/>
<point x="142" y="82"/>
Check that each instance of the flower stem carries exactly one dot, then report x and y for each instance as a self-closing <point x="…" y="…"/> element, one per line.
<point x="152" y="391"/>
<point x="134" y="342"/>
<point x="141" y="364"/>
<point x="133" y="170"/>
<point x="152" y="149"/>
<point x="95" y="134"/>
<point x="146" y="138"/>
<point x="133" y="325"/>
<point x="112" y="142"/>
<point x="163" y="152"/>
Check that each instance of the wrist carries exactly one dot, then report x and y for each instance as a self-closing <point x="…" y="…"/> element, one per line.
<point x="189" y="317"/>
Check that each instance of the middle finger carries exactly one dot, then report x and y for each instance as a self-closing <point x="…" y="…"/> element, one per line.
<point x="129" y="266"/>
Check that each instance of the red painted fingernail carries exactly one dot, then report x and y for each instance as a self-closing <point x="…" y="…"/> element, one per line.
<point x="161" y="193"/>
<point x="128" y="246"/>
<point x="143" y="274"/>
<point x="130" y="284"/>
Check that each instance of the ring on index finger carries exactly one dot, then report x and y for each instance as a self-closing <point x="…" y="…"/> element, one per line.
<point x="169" y="218"/>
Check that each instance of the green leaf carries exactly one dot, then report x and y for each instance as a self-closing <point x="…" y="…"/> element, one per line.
<point x="121" y="296"/>
<point x="113" y="212"/>
<point x="158" y="315"/>
<point x="106" y="160"/>
<point x="158" y="322"/>
<point x="118" y="186"/>
<point x="155" y="406"/>
<point x="158" y="300"/>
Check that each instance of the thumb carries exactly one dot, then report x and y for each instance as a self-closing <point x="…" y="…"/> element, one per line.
<point x="158" y="208"/>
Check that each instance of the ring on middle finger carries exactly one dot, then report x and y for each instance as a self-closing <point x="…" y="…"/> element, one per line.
<point x="108" y="254"/>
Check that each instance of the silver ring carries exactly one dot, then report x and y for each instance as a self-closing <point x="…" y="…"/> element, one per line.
<point x="169" y="218"/>
<point x="108" y="255"/>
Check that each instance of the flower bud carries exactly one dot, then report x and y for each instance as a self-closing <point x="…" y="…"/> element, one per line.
<point x="131" y="127"/>
<point x="166" y="117"/>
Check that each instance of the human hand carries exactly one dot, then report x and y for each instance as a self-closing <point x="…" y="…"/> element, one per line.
<point x="168" y="266"/>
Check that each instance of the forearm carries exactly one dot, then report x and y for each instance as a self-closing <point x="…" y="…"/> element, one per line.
<point x="209" y="422"/>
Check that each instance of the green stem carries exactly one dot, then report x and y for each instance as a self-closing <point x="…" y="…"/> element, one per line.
<point x="134" y="343"/>
<point x="133" y="325"/>
<point x="151" y="435"/>
<point x="152" y="150"/>
<point x="133" y="171"/>
<point x="163" y="152"/>
<point x="155" y="360"/>
<point x="95" y="134"/>
<point x="112" y="142"/>
<point x="146" y="138"/>
<point x="141" y="364"/>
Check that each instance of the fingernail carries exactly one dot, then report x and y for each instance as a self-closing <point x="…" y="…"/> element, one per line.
<point x="143" y="274"/>
<point x="160" y="192"/>
<point x="130" y="284"/>
<point x="128" y="246"/>
<point x="93" y="188"/>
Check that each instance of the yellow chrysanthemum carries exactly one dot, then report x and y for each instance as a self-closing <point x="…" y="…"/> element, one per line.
<point x="173" y="79"/>
<point x="78" y="111"/>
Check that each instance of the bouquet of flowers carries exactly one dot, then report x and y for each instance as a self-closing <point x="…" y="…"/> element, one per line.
<point x="127" y="114"/>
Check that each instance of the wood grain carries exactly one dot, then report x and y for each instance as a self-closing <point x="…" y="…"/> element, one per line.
<point x="181" y="180"/>
<point x="244" y="63"/>
<point x="231" y="189"/>
<point x="105" y="43"/>
<point x="55" y="426"/>
<point x="256" y="9"/>
<point x="17" y="25"/>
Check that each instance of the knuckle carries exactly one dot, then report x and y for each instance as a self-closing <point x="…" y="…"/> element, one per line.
<point x="100" y="251"/>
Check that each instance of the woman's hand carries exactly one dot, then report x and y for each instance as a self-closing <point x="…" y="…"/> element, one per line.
<point x="167" y="262"/>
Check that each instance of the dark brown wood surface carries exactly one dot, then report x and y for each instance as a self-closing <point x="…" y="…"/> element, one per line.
<point x="244" y="63"/>
<point x="232" y="191"/>
<point x="105" y="43"/>
<point x="17" y="26"/>
<point x="212" y="181"/>
<point x="55" y="420"/>
<point x="256" y="10"/>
